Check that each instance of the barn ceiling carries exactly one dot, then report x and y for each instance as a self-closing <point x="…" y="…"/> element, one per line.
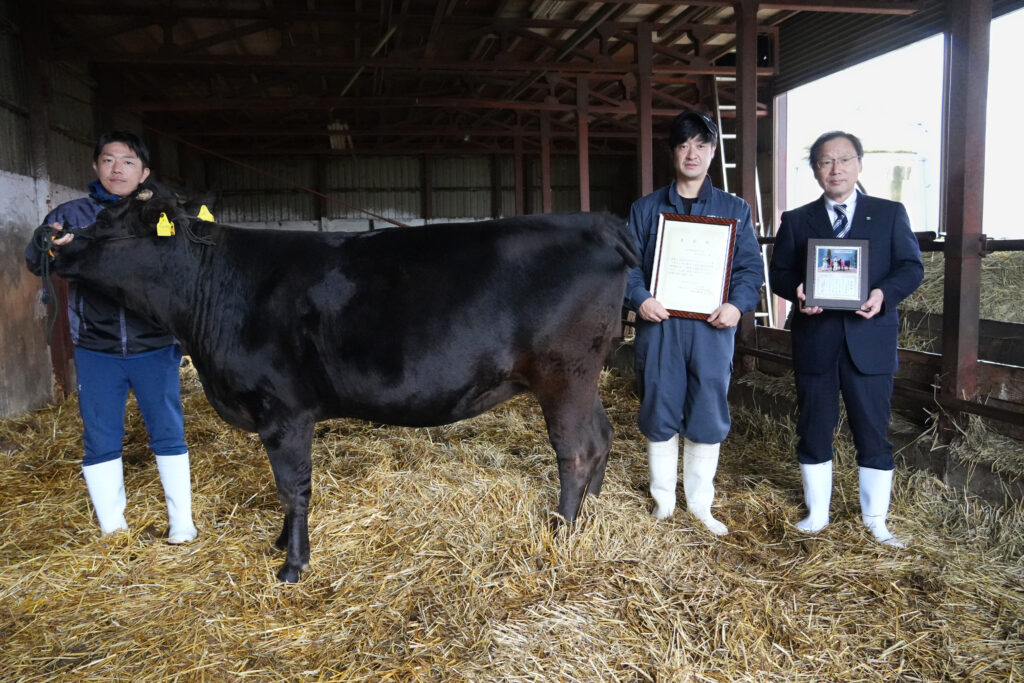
<point x="409" y="76"/>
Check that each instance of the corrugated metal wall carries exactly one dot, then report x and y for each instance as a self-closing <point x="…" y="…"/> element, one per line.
<point x="26" y="376"/>
<point x="387" y="186"/>
<point x="565" y="191"/>
<point x="271" y="191"/>
<point x="816" y="44"/>
<point x="72" y="125"/>
<point x="71" y="115"/>
<point x="261" y="190"/>
<point x="507" y="202"/>
<point x="612" y="184"/>
<point x="15" y="151"/>
<point x="462" y="186"/>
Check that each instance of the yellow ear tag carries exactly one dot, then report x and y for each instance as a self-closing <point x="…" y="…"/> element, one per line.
<point x="164" y="228"/>
<point x="204" y="214"/>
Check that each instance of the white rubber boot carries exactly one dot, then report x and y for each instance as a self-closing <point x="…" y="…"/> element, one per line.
<point x="105" y="482"/>
<point x="817" y="495"/>
<point x="663" y="461"/>
<point x="875" y="491"/>
<point x="700" y="462"/>
<point x="176" y="479"/>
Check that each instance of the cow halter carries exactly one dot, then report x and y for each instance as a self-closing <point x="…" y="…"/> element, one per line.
<point x="42" y="242"/>
<point x="189" y="233"/>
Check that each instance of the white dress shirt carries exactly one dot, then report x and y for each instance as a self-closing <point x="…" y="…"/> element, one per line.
<point x="851" y="205"/>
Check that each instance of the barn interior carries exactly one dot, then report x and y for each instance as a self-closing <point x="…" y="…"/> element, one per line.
<point x="434" y="557"/>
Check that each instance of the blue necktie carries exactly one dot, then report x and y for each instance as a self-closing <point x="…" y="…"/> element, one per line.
<point x="842" y="226"/>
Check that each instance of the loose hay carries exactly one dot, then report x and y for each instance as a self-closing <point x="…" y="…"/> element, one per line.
<point x="778" y="386"/>
<point x="1001" y="293"/>
<point x="979" y="445"/>
<point x="433" y="559"/>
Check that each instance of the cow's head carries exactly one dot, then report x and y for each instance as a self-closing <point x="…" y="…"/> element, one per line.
<point x="143" y="214"/>
<point x="135" y="245"/>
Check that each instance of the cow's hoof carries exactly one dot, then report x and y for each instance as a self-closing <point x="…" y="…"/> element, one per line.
<point x="288" y="574"/>
<point x="557" y="522"/>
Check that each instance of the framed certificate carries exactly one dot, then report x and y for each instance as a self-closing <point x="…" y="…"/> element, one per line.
<point x="693" y="264"/>
<point x="837" y="273"/>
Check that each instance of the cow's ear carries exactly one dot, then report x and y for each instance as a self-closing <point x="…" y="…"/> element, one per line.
<point x="157" y="213"/>
<point x="164" y="226"/>
<point x="151" y="187"/>
<point x="195" y="207"/>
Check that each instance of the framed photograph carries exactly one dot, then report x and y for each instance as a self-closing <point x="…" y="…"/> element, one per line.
<point x="837" y="273"/>
<point x="693" y="264"/>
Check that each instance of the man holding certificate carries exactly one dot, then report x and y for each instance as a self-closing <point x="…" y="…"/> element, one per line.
<point x="700" y="272"/>
<point x="839" y="347"/>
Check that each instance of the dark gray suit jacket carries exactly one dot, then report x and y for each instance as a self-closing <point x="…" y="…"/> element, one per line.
<point x="894" y="266"/>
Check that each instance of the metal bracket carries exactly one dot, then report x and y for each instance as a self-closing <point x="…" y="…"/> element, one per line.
<point x="957" y="246"/>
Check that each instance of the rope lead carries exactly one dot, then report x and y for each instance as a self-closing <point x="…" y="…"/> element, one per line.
<point x="42" y="242"/>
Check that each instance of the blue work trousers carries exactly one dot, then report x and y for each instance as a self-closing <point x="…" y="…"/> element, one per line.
<point x="683" y="368"/>
<point x="104" y="380"/>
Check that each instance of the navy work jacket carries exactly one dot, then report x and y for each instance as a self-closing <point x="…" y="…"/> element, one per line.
<point x="747" y="267"/>
<point x="98" y="322"/>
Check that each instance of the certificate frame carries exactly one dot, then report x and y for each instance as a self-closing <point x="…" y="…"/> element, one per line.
<point x="693" y="264"/>
<point x="837" y="273"/>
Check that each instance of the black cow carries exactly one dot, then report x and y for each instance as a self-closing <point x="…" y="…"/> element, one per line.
<point x="406" y="326"/>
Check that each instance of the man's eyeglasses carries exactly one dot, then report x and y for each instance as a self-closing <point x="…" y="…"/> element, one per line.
<point x="823" y="164"/>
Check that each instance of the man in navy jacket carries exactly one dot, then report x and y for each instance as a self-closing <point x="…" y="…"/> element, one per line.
<point x="848" y="352"/>
<point x="683" y="365"/>
<point x="117" y="350"/>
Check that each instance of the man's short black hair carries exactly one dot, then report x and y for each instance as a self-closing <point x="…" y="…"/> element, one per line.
<point x="692" y="123"/>
<point x="130" y="140"/>
<point x="832" y="135"/>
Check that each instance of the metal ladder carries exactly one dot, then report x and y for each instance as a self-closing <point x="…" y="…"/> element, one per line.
<point x="764" y="308"/>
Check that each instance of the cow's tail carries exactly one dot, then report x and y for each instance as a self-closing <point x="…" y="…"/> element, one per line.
<point x="616" y="234"/>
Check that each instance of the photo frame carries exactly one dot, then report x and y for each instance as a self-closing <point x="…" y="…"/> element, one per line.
<point x="837" y="273"/>
<point x="693" y="264"/>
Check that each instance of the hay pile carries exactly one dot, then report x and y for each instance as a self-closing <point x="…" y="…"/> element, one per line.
<point x="432" y="559"/>
<point x="979" y="445"/>
<point x="1001" y="296"/>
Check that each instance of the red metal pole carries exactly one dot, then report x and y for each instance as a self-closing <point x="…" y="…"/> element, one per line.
<point x="746" y="141"/>
<point x="519" y="173"/>
<point x="746" y="95"/>
<point x="645" y="141"/>
<point x="583" y="140"/>
<point x="781" y="174"/>
<point x="545" y="162"/>
<point x="966" y="79"/>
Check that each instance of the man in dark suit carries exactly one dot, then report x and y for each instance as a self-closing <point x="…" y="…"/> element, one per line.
<point x="848" y="352"/>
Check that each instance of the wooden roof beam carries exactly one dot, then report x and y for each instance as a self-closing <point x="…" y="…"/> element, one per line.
<point x="323" y="103"/>
<point x="447" y="131"/>
<point x="175" y="12"/>
<point x="225" y="36"/>
<point x="284" y="62"/>
<point x="855" y="6"/>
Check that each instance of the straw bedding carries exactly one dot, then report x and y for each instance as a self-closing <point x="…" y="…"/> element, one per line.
<point x="1001" y="294"/>
<point x="433" y="559"/>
